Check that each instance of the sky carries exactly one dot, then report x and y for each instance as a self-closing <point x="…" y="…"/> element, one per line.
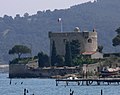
<point x="13" y="7"/>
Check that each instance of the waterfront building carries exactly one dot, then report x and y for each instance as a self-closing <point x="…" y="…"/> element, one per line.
<point x="87" y="39"/>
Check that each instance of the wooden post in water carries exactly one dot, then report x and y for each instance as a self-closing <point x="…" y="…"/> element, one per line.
<point x="67" y="83"/>
<point x="101" y="92"/>
<point x="10" y="81"/>
<point x="78" y="83"/>
<point x="56" y="83"/>
<point x="24" y="91"/>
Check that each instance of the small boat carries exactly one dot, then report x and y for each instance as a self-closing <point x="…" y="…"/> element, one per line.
<point x="109" y="71"/>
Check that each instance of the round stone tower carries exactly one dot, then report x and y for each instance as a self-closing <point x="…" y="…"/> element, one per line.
<point x="90" y="41"/>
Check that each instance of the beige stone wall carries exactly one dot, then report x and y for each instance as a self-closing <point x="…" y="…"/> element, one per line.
<point x="91" y="68"/>
<point x="97" y="55"/>
<point x="83" y="37"/>
<point x="93" y="45"/>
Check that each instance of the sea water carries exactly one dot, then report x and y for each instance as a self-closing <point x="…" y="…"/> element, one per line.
<point x="39" y="86"/>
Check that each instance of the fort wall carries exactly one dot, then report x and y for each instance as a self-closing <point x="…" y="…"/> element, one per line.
<point x="88" y="41"/>
<point x="22" y="71"/>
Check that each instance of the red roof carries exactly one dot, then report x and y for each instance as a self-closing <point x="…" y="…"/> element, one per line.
<point x="89" y="52"/>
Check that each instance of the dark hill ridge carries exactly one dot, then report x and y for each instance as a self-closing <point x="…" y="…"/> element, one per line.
<point x="33" y="30"/>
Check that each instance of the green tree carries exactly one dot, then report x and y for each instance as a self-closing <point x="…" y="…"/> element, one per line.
<point x="59" y="61"/>
<point x="80" y="60"/>
<point x="100" y="48"/>
<point x="118" y="30"/>
<point x="116" y="40"/>
<point x="72" y="51"/>
<point x="53" y="54"/>
<point x="43" y="59"/>
<point x="75" y="48"/>
<point x="68" y="57"/>
<point x="19" y="50"/>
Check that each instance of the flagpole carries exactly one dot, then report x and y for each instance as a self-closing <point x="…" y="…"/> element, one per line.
<point x="61" y="26"/>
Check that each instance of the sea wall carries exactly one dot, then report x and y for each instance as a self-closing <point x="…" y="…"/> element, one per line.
<point x="22" y="71"/>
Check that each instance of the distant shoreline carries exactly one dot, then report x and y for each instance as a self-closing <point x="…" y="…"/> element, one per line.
<point x="4" y="68"/>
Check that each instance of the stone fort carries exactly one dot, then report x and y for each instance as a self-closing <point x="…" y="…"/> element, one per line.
<point x="87" y="40"/>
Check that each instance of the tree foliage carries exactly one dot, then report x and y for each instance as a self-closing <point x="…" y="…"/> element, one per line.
<point x="72" y="51"/>
<point x="75" y="48"/>
<point x="53" y="54"/>
<point x="116" y="40"/>
<point x="80" y="60"/>
<point x="43" y="60"/>
<point x="19" y="50"/>
<point x="118" y="30"/>
<point x="59" y="61"/>
<point x="68" y="57"/>
<point x="100" y="48"/>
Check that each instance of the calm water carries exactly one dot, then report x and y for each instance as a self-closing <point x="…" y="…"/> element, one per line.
<point x="47" y="87"/>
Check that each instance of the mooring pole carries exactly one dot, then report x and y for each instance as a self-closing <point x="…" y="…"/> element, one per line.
<point x="56" y="83"/>
<point x="10" y="81"/>
<point x="25" y="91"/>
<point x="101" y="92"/>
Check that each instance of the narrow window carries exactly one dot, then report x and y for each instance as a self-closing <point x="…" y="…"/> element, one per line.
<point x="89" y="40"/>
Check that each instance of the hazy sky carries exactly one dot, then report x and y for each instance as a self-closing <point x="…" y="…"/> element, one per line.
<point x="13" y="7"/>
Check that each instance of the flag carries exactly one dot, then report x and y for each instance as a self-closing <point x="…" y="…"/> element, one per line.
<point x="59" y="19"/>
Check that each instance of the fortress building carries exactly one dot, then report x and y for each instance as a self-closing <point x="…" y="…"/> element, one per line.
<point x="87" y="40"/>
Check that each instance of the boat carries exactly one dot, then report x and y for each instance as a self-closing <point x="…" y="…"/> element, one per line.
<point x="109" y="71"/>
